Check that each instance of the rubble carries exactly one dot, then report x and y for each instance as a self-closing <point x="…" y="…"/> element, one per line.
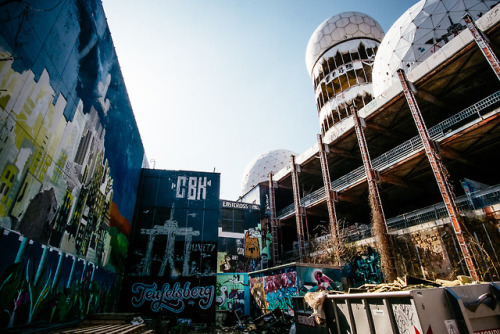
<point x="315" y="300"/>
<point x="409" y="283"/>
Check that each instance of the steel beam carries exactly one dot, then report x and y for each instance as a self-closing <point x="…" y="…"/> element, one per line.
<point x="379" y="223"/>
<point x="330" y="199"/>
<point x="274" y="221"/>
<point x="299" y="212"/>
<point x="440" y="173"/>
<point x="482" y="43"/>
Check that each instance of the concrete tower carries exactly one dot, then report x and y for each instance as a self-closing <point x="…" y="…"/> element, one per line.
<point x="339" y="59"/>
<point x="420" y="32"/>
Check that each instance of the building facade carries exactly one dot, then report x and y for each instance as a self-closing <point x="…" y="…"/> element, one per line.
<point x="380" y="162"/>
<point x="67" y="189"/>
<point x="172" y="262"/>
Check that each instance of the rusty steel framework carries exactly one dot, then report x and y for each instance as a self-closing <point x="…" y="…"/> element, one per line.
<point x="482" y="43"/>
<point x="439" y="173"/>
<point x="299" y="210"/>
<point x="379" y="227"/>
<point x="330" y="198"/>
<point x="274" y="221"/>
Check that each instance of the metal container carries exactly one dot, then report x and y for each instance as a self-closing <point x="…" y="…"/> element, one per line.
<point x="468" y="309"/>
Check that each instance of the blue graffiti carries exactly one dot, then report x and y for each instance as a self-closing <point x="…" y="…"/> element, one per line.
<point x="281" y="298"/>
<point x="365" y="268"/>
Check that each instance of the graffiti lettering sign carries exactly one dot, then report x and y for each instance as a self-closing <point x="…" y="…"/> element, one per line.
<point x="173" y="258"/>
<point x="173" y="298"/>
<point x="192" y="188"/>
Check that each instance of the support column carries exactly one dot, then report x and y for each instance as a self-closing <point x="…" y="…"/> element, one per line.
<point x="298" y="208"/>
<point x="439" y="171"/>
<point x="330" y="199"/>
<point x="482" y="42"/>
<point x="274" y="221"/>
<point x="379" y="225"/>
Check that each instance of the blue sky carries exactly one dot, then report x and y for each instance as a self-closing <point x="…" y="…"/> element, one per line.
<point x="213" y="84"/>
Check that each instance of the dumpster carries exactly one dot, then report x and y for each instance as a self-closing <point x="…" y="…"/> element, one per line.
<point x="304" y="320"/>
<point x="468" y="309"/>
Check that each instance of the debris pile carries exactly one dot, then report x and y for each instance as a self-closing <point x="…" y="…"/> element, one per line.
<point x="315" y="301"/>
<point x="410" y="283"/>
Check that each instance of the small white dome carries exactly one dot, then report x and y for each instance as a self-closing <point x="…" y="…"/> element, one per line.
<point x="258" y="170"/>
<point x="419" y="32"/>
<point x="340" y="28"/>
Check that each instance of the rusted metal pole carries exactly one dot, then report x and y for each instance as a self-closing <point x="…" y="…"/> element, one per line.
<point x="306" y="223"/>
<point x="379" y="225"/>
<point x="482" y="43"/>
<point x="330" y="199"/>
<point x="440" y="174"/>
<point x="298" y="208"/>
<point x="274" y="221"/>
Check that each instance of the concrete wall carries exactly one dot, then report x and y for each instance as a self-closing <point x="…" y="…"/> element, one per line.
<point x="172" y="264"/>
<point x="274" y="287"/>
<point x="70" y="158"/>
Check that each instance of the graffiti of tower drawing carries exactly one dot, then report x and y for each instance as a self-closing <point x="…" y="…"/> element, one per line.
<point x="171" y="229"/>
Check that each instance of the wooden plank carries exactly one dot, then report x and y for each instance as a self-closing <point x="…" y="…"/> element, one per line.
<point x="92" y="329"/>
<point x="134" y="329"/>
<point x="113" y="329"/>
<point x="126" y="329"/>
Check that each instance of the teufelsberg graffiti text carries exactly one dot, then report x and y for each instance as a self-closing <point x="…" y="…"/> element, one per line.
<point x="172" y="298"/>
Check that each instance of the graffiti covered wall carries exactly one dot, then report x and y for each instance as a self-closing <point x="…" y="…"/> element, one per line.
<point x="41" y="283"/>
<point x="243" y="244"/>
<point x="319" y="278"/>
<point x="65" y="183"/>
<point x="173" y="253"/>
<point x="275" y="287"/>
<point x="363" y="268"/>
<point x="233" y="293"/>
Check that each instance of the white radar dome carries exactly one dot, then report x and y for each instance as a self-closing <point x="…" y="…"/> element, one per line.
<point x="339" y="28"/>
<point x="419" y="32"/>
<point x="258" y="170"/>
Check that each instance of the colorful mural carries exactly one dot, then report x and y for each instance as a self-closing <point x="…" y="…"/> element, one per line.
<point x="242" y="243"/>
<point x="363" y="268"/>
<point x="275" y="287"/>
<point x="233" y="293"/>
<point x="240" y="255"/>
<point x="41" y="283"/>
<point x="173" y="252"/>
<point x="65" y="183"/>
<point x="319" y="278"/>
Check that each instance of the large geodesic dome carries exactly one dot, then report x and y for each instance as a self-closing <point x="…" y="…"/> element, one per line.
<point x="340" y="28"/>
<point x="418" y="33"/>
<point x="258" y="169"/>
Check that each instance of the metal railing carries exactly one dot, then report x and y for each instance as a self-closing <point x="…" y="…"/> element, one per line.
<point x="437" y="132"/>
<point x="476" y="200"/>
